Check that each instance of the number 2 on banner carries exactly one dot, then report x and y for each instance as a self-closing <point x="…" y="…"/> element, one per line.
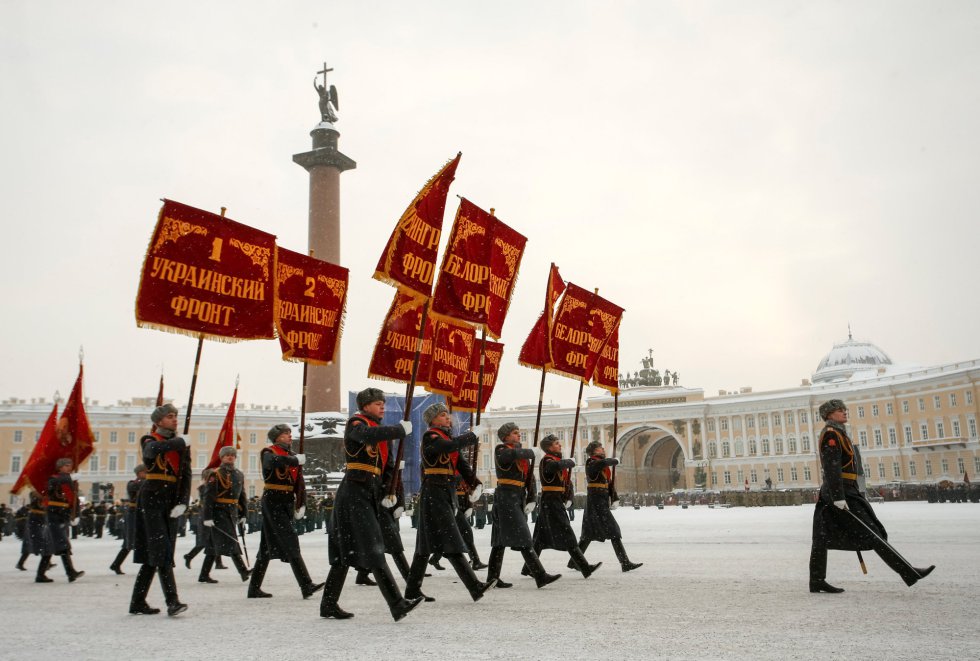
<point x="311" y="286"/>
<point x="216" y="251"/>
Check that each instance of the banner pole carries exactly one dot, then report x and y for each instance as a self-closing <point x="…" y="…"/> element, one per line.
<point x="537" y="420"/>
<point x="409" y="391"/>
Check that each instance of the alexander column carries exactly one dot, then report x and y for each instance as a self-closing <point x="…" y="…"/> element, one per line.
<point x="325" y="163"/>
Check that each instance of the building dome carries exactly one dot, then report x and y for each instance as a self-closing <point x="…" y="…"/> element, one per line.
<point x="849" y="357"/>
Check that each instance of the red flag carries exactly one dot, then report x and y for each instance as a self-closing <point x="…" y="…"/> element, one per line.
<point x="310" y="298"/>
<point x="571" y="333"/>
<point x="607" y="368"/>
<point x="394" y="352"/>
<point x="536" y="352"/>
<point x="74" y="433"/>
<point x="40" y="465"/>
<point x="604" y="320"/>
<point x="207" y="275"/>
<point x="451" y="356"/>
<point x="465" y="397"/>
<point x="409" y="258"/>
<point x="227" y="434"/>
<point x="506" y="252"/>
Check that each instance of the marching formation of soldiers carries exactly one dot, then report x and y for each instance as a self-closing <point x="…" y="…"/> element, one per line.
<point x="362" y="518"/>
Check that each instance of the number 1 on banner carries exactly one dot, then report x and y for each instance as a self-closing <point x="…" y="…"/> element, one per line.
<point x="216" y="250"/>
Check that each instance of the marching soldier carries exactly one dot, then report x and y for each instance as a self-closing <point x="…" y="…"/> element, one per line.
<point x="36" y="540"/>
<point x="162" y="498"/>
<point x="512" y="502"/>
<point x="129" y="518"/>
<point x="553" y="530"/>
<point x="843" y="518"/>
<point x="283" y="502"/>
<point x="598" y="523"/>
<point x="20" y="530"/>
<point x="100" y="514"/>
<point x="469" y="490"/>
<point x="61" y="508"/>
<point x="355" y="536"/>
<point x="222" y="509"/>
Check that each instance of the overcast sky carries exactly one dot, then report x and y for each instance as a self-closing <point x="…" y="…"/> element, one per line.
<point x="745" y="178"/>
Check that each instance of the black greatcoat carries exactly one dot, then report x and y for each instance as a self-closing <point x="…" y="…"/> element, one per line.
<point x="598" y="523"/>
<point x="437" y="529"/>
<point x="841" y="463"/>
<point x="390" y="530"/>
<point x="553" y="530"/>
<point x="284" y="494"/>
<point x="224" y="504"/>
<point x="163" y="489"/>
<point x="62" y="502"/>
<point x="130" y="516"/>
<point x="36" y="536"/>
<point x="202" y="534"/>
<point x="355" y="536"/>
<point x="508" y="517"/>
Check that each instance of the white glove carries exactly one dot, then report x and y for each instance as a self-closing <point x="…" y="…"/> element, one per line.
<point x="388" y="502"/>
<point x="479" y="430"/>
<point x="840" y="504"/>
<point x="529" y="507"/>
<point x="177" y="511"/>
<point x="476" y="493"/>
<point x="614" y="461"/>
<point x="241" y="521"/>
<point x="538" y="453"/>
<point x="568" y="504"/>
<point x="75" y="521"/>
<point x="468" y="513"/>
<point x="398" y="511"/>
<point x="301" y="458"/>
<point x="208" y="523"/>
<point x="300" y="513"/>
<point x="614" y="505"/>
<point x="407" y="426"/>
<point x="407" y="512"/>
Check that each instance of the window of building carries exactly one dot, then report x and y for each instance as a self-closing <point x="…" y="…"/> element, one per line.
<point x="724" y="424"/>
<point x="924" y="431"/>
<point x="908" y="434"/>
<point x="753" y="476"/>
<point x="728" y="477"/>
<point x="806" y="442"/>
<point x="712" y="449"/>
<point x="892" y="437"/>
<point x="711" y="424"/>
<point x="945" y="464"/>
<point x="911" y="469"/>
<point x="860" y="411"/>
<point x="865" y="469"/>
<point x="779" y="446"/>
<point x="937" y="402"/>
<point x="739" y="448"/>
<point x="789" y="417"/>
<point x="113" y="463"/>
<point x="956" y="428"/>
<point x="976" y="466"/>
<point x="251" y="491"/>
<point x="113" y="437"/>
<point x="93" y="463"/>
<point x="737" y="424"/>
<point x="928" y="467"/>
<point x="97" y="435"/>
<point x="714" y="477"/>
<point x="753" y="447"/>
<point x="37" y="435"/>
<point x="960" y="465"/>
<point x="791" y="444"/>
<point x="202" y="459"/>
<point x="877" y="433"/>
<point x="18" y="436"/>
<point x="922" y="403"/>
<point x="803" y="417"/>
<point x="253" y="438"/>
<point x="968" y="396"/>
<point x="941" y="430"/>
<point x="952" y="399"/>
<point x="881" y="469"/>
<point x="776" y="420"/>
<point x="889" y="409"/>
<point x="253" y="463"/>
<point x="763" y="420"/>
<point x="15" y="463"/>
<point x="806" y="473"/>
<point x="905" y="406"/>
<point x="765" y="446"/>
<point x="741" y="477"/>
<point x="750" y="422"/>
<point x="971" y="424"/>
<point x="863" y="438"/>
<point x="874" y="410"/>
<point x="896" y="470"/>
<point x="793" y="475"/>
<point x="130" y="462"/>
<point x="202" y="437"/>
<point x="131" y="437"/>
<point x="486" y="461"/>
<point x="725" y="449"/>
<point x="779" y="475"/>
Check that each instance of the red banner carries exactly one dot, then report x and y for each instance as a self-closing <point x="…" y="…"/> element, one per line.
<point x="227" y="434"/>
<point x="207" y="275"/>
<point x="310" y="299"/>
<point x="74" y="433"/>
<point x="536" y="352"/>
<point x="607" y="368"/>
<point x="394" y="352"/>
<point x="40" y="465"/>
<point x="571" y="333"/>
<point x="409" y="258"/>
<point x="465" y="398"/>
<point x="464" y="278"/>
<point x="605" y="318"/>
<point x="451" y="356"/>
<point x="506" y="251"/>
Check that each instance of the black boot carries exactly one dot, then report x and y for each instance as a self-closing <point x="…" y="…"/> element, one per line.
<point x="363" y="578"/>
<point x="20" y="563"/>
<point x="331" y="593"/>
<point x="541" y="577"/>
<point x="820" y="585"/>
<point x="398" y="605"/>
<point x="306" y="584"/>
<point x="916" y="574"/>
<point x="190" y="555"/>
<point x="413" y="583"/>
<point x="434" y="561"/>
<point x="582" y="545"/>
<point x="169" y="585"/>
<point x="624" y="560"/>
<point x="258" y="574"/>
<point x="525" y="570"/>
<point x="581" y="563"/>
<point x="243" y="571"/>
<point x="41" y="568"/>
<point x="401" y="563"/>
<point x="205" y="575"/>
<point x="70" y="568"/>
<point x="218" y="564"/>
<point x="475" y="586"/>
<point x="474" y="555"/>
<point x="137" y="603"/>
<point x="493" y="570"/>
<point x="116" y="565"/>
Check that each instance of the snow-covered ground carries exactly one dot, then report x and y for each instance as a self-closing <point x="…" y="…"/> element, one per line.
<point x="717" y="584"/>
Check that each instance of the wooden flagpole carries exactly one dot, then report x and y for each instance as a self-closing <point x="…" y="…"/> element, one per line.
<point x="409" y="392"/>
